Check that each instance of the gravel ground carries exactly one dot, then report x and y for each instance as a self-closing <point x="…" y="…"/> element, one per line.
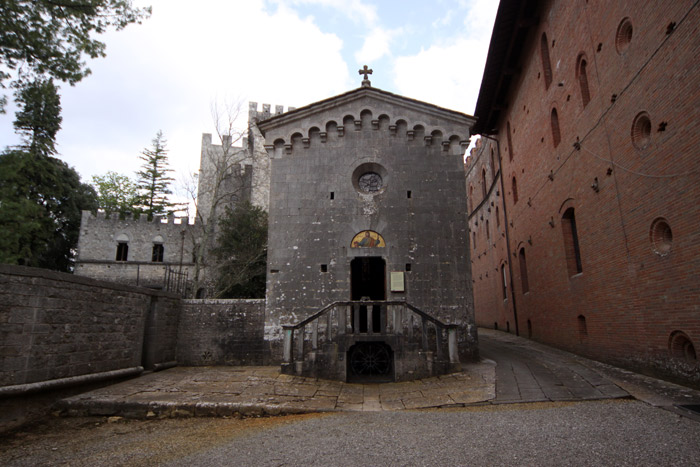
<point x="616" y="432"/>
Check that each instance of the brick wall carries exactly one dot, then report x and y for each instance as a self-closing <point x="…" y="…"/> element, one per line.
<point x="221" y="332"/>
<point x="56" y="325"/>
<point x="632" y="295"/>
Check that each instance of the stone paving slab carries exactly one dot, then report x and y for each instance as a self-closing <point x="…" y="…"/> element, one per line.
<point x="221" y="391"/>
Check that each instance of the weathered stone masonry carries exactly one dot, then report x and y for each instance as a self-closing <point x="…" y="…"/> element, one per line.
<point x="318" y="153"/>
<point x="56" y="325"/>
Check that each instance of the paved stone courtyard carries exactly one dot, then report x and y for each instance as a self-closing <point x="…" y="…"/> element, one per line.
<point x="513" y="370"/>
<point x="220" y="391"/>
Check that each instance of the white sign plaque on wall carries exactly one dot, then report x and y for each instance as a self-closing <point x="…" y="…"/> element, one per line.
<point x="397" y="282"/>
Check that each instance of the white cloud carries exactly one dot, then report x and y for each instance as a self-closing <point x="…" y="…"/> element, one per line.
<point x="165" y="73"/>
<point x="480" y="17"/>
<point x="448" y="76"/>
<point x="449" y="72"/>
<point x="356" y="10"/>
<point x="376" y="45"/>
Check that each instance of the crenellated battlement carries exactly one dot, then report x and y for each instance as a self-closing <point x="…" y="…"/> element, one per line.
<point x="142" y="218"/>
<point x="255" y="115"/>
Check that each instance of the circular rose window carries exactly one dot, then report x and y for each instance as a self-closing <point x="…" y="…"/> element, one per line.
<point x="370" y="178"/>
<point x="370" y="182"/>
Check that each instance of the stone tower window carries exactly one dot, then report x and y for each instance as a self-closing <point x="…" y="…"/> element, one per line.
<point x="158" y="252"/>
<point x="483" y="183"/>
<point x="122" y="251"/>
<point x="582" y="76"/>
<point x="546" y="65"/>
<point x="571" y="247"/>
<point x="515" y="191"/>
<point x="122" y="247"/>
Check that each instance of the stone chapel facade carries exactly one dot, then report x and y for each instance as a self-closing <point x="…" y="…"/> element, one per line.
<point x="367" y="205"/>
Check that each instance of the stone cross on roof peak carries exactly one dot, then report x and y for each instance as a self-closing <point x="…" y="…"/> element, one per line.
<point x="366" y="71"/>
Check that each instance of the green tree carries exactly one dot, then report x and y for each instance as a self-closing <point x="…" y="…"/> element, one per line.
<point x="42" y="38"/>
<point x="41" y="202"/>
<point x="153" y="180"/>
<point x="39" y="118"/>
<point x="41" y="197"/>
<point x="241" y="251"/>
<point x="116" y="193"/>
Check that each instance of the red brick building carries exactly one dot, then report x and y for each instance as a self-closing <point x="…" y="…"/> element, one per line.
<point x="584" y="190"/>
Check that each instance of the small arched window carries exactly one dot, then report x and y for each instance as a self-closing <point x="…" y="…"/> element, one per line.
<point x="515" y="191"/>
<point x="582" y="76"/>
<point x="158" y="253"/>
<point x="483" y="183"/>
<point x="122" y="248"/>
<point x="546" y="65"/>
<point x="488" y="234"/>
<point x="493" y="166"/>
<point x="556" y="135"/>
<point x="122" y="251"/>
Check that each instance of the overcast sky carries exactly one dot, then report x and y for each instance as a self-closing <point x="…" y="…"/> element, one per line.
<point x="165" y="73"/>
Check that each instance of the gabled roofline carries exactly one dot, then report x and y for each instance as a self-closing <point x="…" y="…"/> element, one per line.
<point x="331" y="102"/>
<point x="514" y="20"/>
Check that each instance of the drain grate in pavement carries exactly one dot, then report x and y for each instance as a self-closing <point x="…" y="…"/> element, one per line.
<point x="692" y="407"/>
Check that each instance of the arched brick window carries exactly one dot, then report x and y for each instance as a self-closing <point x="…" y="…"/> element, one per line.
<point x="510" y="141"/>
<point x="556" y="135"/>
<point x="571" y="247"/>
<point x="582" y="76"/>
<point x="504" y="283"/>
<point x="488" y="234"/>
<point x="546" y="65"/>
<point x="523" y="270"/>
<point x="483" y="183"/>
<point x="470" y="202"/>
<point x="515" y="191"/>
<point x="498" y="218"/>
<point x="493" y="166"/>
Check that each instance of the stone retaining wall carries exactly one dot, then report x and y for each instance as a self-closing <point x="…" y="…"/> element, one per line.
<point x="56" y="325"/>
<point x="221" y="332"/>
